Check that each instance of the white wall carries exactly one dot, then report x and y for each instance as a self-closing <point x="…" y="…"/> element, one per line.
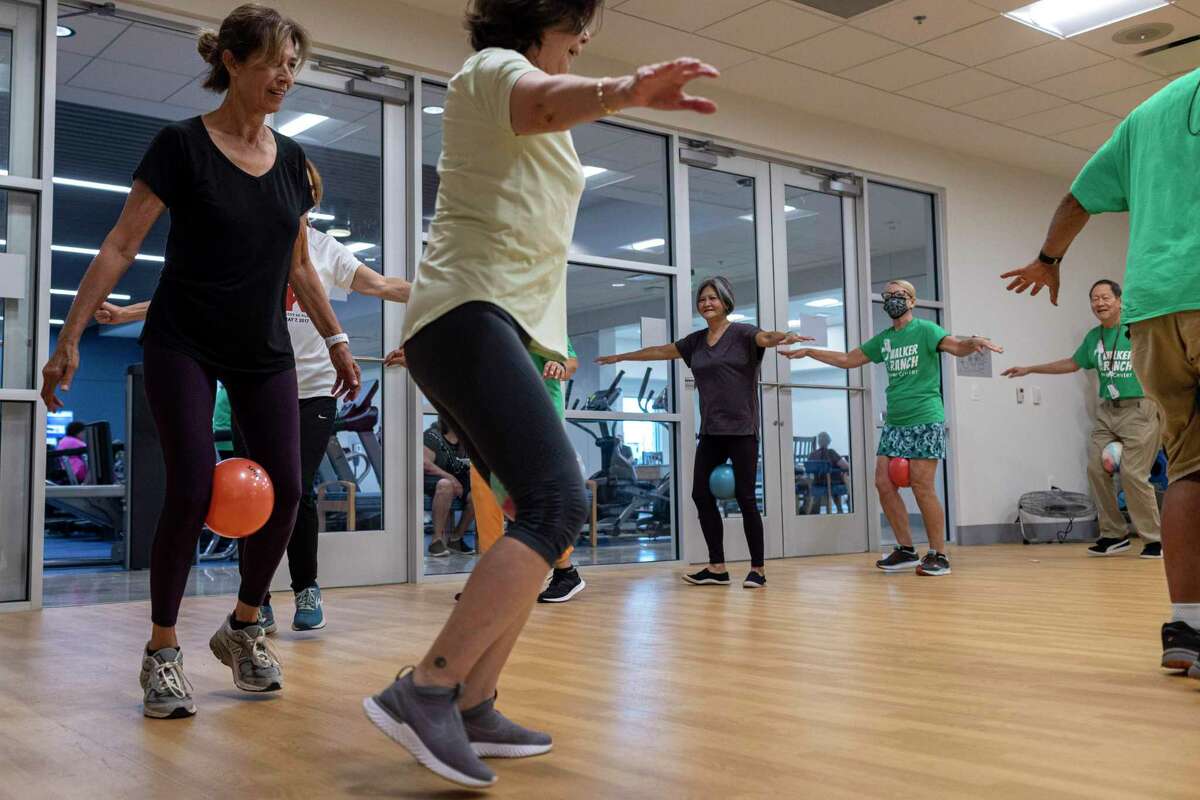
<point x="996" y="218"/>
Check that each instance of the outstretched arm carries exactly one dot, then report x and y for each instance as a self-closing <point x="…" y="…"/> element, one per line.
<point x="1069" y="219"/>
<point x="852" y="360"/>
<point x="662" y="352"/>
<point x="964" y="347"/>
<point x="1060" y="367"/>
<point x="369" y="282"/>
<point x="776" y="338"/>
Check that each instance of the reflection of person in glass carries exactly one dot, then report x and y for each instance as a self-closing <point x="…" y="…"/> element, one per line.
<point x="447" y="478"/>
<point x="337" y="268"/>
<point x="724" y="358"/>
<point x="916" y="419"/>
<point x="836" y="472"/>
<point x="239" y="197"/>
<point x="491" y="286"/>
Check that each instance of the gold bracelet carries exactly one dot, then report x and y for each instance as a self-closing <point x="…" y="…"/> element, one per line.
<point x="600" y="97"/>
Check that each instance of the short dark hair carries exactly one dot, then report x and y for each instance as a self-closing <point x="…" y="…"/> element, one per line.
<point x="724" y="289"/>
<point x="75" y="428"/>
<point x="1116" y="287"/>
<point x="519" y="24"/>
<point x="249" y="29"/>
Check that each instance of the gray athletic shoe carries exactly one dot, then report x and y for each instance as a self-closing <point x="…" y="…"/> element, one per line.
<point x="425" y="721"/>
<point x="255" y="666"/>
<point x="493" y="735"/>
<point x="168" y="692"/>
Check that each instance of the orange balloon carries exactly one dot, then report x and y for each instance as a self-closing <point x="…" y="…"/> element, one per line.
<point x="898" y="471"/>
<point x="242" y="498"/>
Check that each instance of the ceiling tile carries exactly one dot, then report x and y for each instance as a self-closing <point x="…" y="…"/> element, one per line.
<point x="1185" y="25"/>
<point x="686" y="15"/>
<point x="1089" y="138"/>
<point x="896" y="21"/>
<point x="157" y="49"/>
<point x="636" y="41"/>
<point x="1045" y="62"/>
<point x="958" y="88"/>
<point x="838" y="49"/>
<point x="1008" y="105"/>
<point x="1059" y="120"/>
<point x="768" y="27"/>
<point x="92" y="34"/>
<point x="1101" y="79"/>
<point x="900" y="70"/>
<point x="129" y="80"/>
<point x="68" y="65"/>
<point x="996" y="38"/>
<point x="1122" y="102"/>
<point x="1002" y="5"/>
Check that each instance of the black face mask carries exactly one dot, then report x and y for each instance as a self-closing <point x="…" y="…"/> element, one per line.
<point x="895" y="306"/>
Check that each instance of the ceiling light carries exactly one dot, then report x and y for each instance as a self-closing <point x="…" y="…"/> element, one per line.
<point x="73" y="292"/>
<point x="57" y="321"/>
<point x="795" y="323"/>
<point x="358" y="247"/>
<point x="91" y="251"/>
<point x="1067" y="18"/>
<point x="302" y="123"/>
<point x="338" y="233"/>
<point x="63" y="32"/>
<point x="824" y="302"/>
<point x="618" y="286"/>
<point x="104" y="187"/>
<point x="737" y="317"/>
<point x="319" y="217"/>
<point x="435" y="111"/>
<point x="589" y="171"/>
<point x="646" y="244"/>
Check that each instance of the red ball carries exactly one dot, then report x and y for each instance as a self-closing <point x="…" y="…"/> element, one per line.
<point x="242" y="498"/>
<point x="898" y="471"/>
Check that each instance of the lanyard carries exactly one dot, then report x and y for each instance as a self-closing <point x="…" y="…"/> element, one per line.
<point x="1104" y="351"/>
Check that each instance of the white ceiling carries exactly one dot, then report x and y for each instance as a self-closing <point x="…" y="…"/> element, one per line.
<point x="966" y="78"/>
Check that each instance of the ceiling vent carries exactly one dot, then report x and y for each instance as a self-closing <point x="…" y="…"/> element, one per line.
<point x="1181" y="55"/>
<point x="843" y="8"/>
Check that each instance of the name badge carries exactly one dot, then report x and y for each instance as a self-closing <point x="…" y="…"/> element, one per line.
<point x="1112" y="392"/>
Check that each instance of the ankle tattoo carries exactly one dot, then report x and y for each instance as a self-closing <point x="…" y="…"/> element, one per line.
<point x="439" y="662"/>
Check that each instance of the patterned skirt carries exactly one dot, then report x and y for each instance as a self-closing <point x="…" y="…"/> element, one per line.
<point x="913" y="441"/>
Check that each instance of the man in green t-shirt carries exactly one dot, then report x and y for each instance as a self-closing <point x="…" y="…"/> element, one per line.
<point x="1148" y="168"/>
<point x="1124" y="415"/>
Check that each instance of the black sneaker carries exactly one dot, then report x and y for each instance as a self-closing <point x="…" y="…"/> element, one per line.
<point x="1152" y="550"/>
<point x="934" y="564"/>
<point x="1181" y="645"/>
<point x="901" y="558"/>
<point x="461" y="546"/>
<point x="754" y="580"/>
<point x="1109" y="547"/>
<point x="706" y="577"/>
<point x="564" y="584"/>
<point x="438" y="549"/>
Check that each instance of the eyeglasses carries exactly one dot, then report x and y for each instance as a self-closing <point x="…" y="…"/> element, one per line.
<point x="890" y="295"/>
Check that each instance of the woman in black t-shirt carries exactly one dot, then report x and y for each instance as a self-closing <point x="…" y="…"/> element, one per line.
<point x="724" y="359"/>
<point x="238" y="194"/>
<point x="447" y="477"/>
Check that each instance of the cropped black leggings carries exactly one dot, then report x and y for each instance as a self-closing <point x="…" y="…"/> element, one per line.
<point x="181" y="392"/>
<point x="710" y="454"/>
<point x="473" y="365"/>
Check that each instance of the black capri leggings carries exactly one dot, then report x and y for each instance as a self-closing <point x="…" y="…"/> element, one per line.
<point x="181" y="392"/>
<point x="711" y="453"/>
<point x="473" y="365"/>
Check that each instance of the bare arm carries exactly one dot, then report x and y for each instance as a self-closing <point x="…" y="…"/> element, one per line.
<point x="853" y="360"/>
<point x="142" y="209"/>
<point x="964" y="347"/>
<point x="542" y="103"/>
<point x="662" y="352"/>
<point x="1061" y="367"/>
<point x="431" y="467"/>
<point x="776" y="338"/>
<point x="310" y="292"/>
<point x="369" y="282"/>
<point x="112" y="314"/>
<point x="1069" y="219"/>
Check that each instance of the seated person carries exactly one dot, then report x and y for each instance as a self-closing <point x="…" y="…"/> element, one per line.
<point x="447" y="477"/>
<point x="70" y="442"/>
<point x="838" y="463"/>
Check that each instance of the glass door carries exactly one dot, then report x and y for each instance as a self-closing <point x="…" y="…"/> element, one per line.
<point x="820" y="430"/>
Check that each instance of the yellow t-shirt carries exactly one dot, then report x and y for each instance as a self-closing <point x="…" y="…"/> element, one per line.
<point x="505" y="210"/>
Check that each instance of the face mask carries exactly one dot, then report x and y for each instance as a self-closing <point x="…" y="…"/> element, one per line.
<point x="896" y="307"/>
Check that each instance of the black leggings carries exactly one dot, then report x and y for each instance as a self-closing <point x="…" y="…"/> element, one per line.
<point x="180" y="392"/>
<point x="710" y="454"/>
<point x="473" y="366"/>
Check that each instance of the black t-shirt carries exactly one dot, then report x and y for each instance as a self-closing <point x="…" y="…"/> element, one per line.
<point x="448" y="457"/>
<point x="726" y="378"/>
<point x="221" y="294"/>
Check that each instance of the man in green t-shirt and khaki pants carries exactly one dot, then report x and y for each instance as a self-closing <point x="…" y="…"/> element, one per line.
<point x="1124" y="415"/>
<point x="1149" y="169"/>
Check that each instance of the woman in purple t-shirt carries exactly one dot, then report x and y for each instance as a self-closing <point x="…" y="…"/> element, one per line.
<point x="724" y="359"/>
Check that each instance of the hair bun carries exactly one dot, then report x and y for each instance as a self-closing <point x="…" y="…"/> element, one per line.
<point x="207" y="46"/>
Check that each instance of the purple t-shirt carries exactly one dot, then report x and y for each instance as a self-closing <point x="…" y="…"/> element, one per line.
<point x="726" y="378"/>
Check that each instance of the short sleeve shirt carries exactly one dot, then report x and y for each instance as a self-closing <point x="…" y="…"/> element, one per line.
<point x="335" y="265"/>
<point x="220" y="295"/>
<point x="914" y="368"/>
<point x="726" y="379"/>
<point x="1109" y="352"/>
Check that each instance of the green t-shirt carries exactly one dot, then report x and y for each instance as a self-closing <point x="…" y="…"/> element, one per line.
<point x="222" y="418"/>
<point x="1149" y="169"/>
<point x="1109" y="353"/>
<point x="553" y="387"/>
<point x="914" y="367"/>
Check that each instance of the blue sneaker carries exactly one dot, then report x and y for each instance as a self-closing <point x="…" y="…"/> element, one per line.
<point x="266" y="618"/>
<point x="309" y="616"/>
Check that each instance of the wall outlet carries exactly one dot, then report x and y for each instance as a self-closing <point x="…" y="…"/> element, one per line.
<point x="1037" y="395"/>
<point x="1020" y="394"/>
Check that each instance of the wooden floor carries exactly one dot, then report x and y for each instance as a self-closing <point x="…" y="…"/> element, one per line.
<point x="1031" y="672"/>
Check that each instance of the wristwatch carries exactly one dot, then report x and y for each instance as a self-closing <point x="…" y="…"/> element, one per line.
<point x="1049" y="260"/>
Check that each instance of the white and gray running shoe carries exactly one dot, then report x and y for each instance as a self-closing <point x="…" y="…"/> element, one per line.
<point x="168" y="692"/>
<point x="246" y="652"/>
<point x="493" y="735"/>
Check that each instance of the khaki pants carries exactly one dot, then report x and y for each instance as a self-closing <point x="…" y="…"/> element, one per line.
<point x="1166" y="357"/>
<point x="1135" y="424"/>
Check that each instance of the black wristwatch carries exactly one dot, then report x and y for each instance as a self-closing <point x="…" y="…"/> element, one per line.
<point x="1049" y="260"/>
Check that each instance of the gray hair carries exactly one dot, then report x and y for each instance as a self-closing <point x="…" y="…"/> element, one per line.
<point x="724" y="289"/>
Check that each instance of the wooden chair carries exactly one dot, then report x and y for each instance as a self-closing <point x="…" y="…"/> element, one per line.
<point x="327" y="506"/>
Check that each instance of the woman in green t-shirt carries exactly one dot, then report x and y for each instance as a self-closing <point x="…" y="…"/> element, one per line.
<point x="916" y="419"/>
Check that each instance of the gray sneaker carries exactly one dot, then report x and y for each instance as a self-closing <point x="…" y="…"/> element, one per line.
<point x="494" y="735"/>
<point x="425" y="721"/>
<point x="255" y="666"/>
<point x="168" y="692"/>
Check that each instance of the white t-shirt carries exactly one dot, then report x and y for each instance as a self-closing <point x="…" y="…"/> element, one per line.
<point x="336" y="266"/>
<point x="505" y="210"/>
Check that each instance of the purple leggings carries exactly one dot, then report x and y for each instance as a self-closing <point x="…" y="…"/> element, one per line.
<point x="181" y="394"/>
